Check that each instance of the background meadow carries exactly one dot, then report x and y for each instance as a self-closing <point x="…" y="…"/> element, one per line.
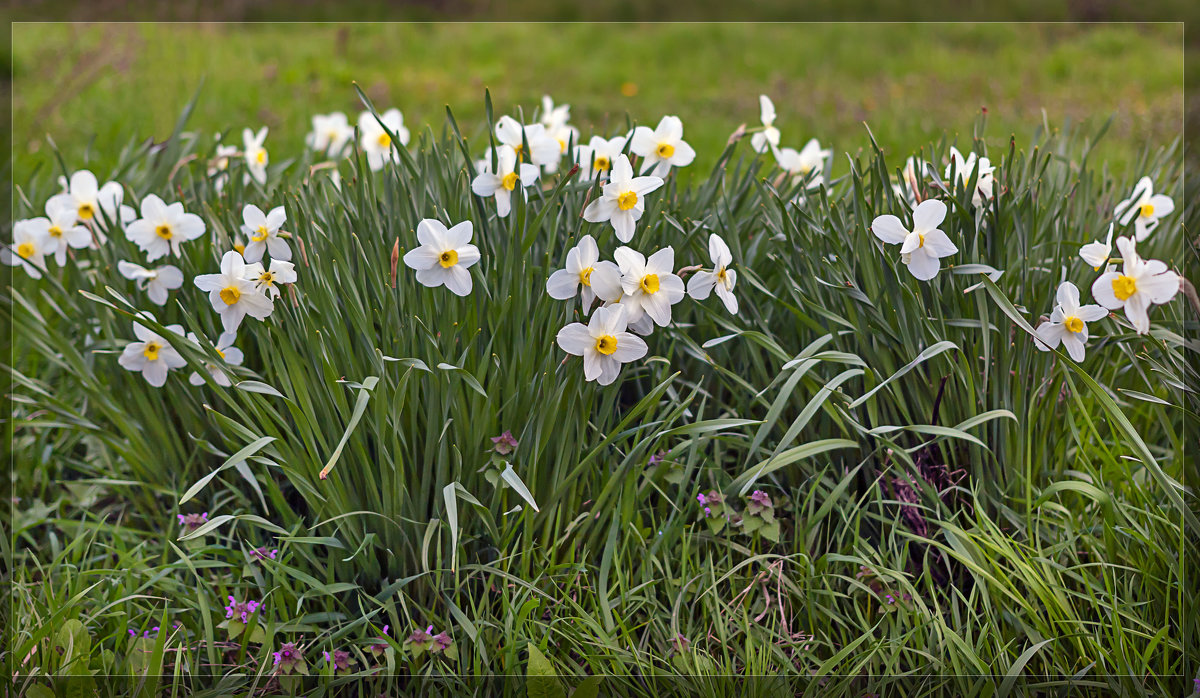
<point x="953" y="512"/>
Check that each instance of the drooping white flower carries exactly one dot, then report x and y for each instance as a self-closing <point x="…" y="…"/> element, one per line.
<point x="721" y="279"/>
<point x="443" y="256"/>
<point x="330" y="134"/>
<point x="554" y="120"/>
<point x="162" y="228"/>
<point x="505" y="180"/>
<point x="1144" y="208"/>
<point x="255" y="154"/>
<point x="263" y="231"/>
<point x="376" y="139"/>
<point x="662" y="148"/>
<point x="808" y="162"/>
<point x="586" y="275"/>
<point x="1140" y="284"/>
<point x="597" y="157"/>
<point x="267" y="280"/>
<point x="1068" y="323"/>
<point x="231" y="355"/>
<point x="28" y="249"/>
<point x="60" y="230"/>
<point x="622" y="202"/>
<point x="768" y="137"/>
<point x="650" y="285"/>
<point x="156" y="282"/>
<point x="232" y="295"/>
<point x="218" y="167"/>
<point x="94" y="205"/>
<point x="924" y="244"/>
<point x="964" y="168"/>
<point x="151" y="355"/>
<point x="910" y="180"/>
<point x="1097" y="253"/>
<point x="603" y="343"/>
<point x="544" y="150"/>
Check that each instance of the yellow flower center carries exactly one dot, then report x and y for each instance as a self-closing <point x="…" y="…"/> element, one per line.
<point x="805" y="169"/>
<point x="627" y="200"/>
<point x="151" y="350"/>
<point x="1124" y="287"/>
<point x="239" y="247"/>
<point x="1073" y="324"/>
<point x="520" y="148"/>
<point x="384" y="140"/>
<point x="562" y="146"/>
<point x="261" y="157"/>
<point x="665" y="150"/>
<point x="448" y="259"/>
<point x="921" y="240"/>
<point x="55" y="231"/>
<point x="26" y="249"/>
<point x="585" y="276"/>
<point x="650" y="283"/>
<point x="86" y="211"/>
<point x="266" y="278"/>
<point x="260" y="234"/>
<point x="1147" y="210"/>
<point x="606" y="344"/>
<point x="220" y="353"/>
<point x="163" y="231"/>
<point x="230" y="294"/>
<point x="721" y="274"/>
<point x="509" y="181"/>
<point x="601" y="163"/>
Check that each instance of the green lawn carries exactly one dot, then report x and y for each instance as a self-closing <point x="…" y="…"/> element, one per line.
<point x="90" y="88"/>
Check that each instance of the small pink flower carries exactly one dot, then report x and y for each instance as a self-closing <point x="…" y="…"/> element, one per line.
<point x="504" y="444"/>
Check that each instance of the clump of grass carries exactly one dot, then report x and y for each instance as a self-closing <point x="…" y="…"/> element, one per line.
<point x="897" y="489"/>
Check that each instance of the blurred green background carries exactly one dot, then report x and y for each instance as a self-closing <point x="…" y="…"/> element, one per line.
<point x="93" y="87"/>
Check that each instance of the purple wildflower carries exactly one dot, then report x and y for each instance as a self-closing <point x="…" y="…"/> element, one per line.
<point x="658" y="458"/>
<point x="263" y="554"/>
<point x="241" y="610"/>
<point x="701" y="498"/>
<point x="421" y="637"/>
<point x="441" y="642"/>
<point x="288" y="656"/>
<point x="379" y="647"/>
<point x="679" y="643"/>
<point x="340" y="659"/>
<point x="191" y="522"/>
<point x="759" y="502"/>
<point x="504" y="444"/>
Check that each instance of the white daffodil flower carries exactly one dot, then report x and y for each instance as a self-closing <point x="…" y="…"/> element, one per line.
<point x="231" y="355"/>
<point x="1068" y="323"/>
<point x="586" y="275"/>
<point x="963" y="168"/>
<point x="1144" y="208"/>
<point x="94" y="205"/>
<point x="1097" y="253"/>
<point x="267" y="280"/>
<point x="151" y="355"/>
<point x="544" y="150"/>
<point x="60" y="230"/>
<point x="650" y="285"/>
<point x="1140" y="284"/>
<point x="925" y="244"/>
<point x="621" y="201"/>
<point x="263" y="231"/>
<point x="162" y="228"/>
<point x="155" y="282"/>
<point x="505" y="180"/>
<point x="603" y="343"/>
<point x="662" y="148"/>
<point x="444" y="256"/>
<point x="597" y="157"/>
<point x="375" y="139"/>
<point x="808" y="162"/>
<point x="330" y="134"/>
<point x="721" y="279"/>
<point x="554" y="120"/>
<point x="768" y="137"/>
<point x="232" y="295"/>
<point x="28" y="249"/>
<point x="218" y="167"/>
<point x="255" y="154"/>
